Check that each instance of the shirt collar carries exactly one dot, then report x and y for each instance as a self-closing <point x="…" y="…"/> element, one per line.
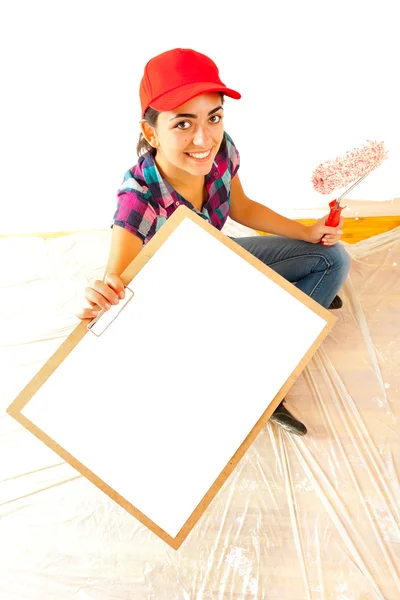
<point x="160" y="188"/>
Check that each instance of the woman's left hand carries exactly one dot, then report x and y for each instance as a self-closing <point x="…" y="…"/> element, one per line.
<point x="328" y="235"/>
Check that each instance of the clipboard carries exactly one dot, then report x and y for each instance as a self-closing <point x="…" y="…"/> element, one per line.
<point x="190" y="430"/>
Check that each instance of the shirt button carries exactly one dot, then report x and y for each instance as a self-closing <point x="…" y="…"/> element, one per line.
<point x="177" y="203"/>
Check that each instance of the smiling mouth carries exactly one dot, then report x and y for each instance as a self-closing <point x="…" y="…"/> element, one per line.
<point x="199" y="155"/>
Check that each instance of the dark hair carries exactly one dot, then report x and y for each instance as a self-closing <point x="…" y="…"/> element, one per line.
<point x="151" y="116"/>
<point x="143" y="146"/>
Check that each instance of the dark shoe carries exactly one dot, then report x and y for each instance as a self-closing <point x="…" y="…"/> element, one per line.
<point x="336" y="303"/>
<point x="287" y="421"/>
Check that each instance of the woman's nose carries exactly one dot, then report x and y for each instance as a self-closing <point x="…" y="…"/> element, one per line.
<point x="201" y="136"/>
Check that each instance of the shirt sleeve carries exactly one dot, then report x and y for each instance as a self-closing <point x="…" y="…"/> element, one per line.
<point x="134" y="212"/>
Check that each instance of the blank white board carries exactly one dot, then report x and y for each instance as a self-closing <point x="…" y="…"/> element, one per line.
<point x="156" y="404"/>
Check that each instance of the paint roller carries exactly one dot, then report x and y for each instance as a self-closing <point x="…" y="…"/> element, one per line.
<point x="354" y="165"/>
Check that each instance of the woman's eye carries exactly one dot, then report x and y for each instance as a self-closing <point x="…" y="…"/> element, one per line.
<point x="183" y="123"/>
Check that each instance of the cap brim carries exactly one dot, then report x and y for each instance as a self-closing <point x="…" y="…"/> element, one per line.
<point x="179" y="96"/>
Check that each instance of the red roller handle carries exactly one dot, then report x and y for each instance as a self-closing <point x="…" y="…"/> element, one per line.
<point x="334" y="215"/>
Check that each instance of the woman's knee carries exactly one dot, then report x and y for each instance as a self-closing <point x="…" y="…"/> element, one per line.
<point x="339" y="258"/>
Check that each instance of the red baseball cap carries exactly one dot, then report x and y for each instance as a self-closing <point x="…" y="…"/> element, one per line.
<point x="176" y="76"/>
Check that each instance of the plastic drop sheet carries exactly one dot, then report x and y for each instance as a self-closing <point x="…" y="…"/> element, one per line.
<point x="311" y="518"/>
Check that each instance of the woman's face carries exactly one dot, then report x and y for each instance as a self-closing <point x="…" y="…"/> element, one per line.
<point x="189" y="136"/>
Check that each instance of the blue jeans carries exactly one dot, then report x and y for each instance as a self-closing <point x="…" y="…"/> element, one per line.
<point x="319" y="271"/>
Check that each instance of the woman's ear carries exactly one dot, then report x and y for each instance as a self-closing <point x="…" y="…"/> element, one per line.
<point x="149" y="133"/>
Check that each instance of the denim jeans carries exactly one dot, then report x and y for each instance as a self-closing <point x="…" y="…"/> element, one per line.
<point x="319" y="271"/>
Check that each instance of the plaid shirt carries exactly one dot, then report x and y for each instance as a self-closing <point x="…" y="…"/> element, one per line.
<point x="146" y="200"/>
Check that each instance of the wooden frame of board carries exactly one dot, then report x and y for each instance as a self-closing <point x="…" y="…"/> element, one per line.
<point x="81" y="330"/>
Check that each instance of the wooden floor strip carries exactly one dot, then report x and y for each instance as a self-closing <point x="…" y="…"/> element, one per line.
<point x="360" y="228"/>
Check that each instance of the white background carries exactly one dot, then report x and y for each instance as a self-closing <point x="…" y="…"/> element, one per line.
<point x="317" y="79"/>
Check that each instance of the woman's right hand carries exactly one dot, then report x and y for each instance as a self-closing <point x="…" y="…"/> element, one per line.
<point x="102" y="295"/>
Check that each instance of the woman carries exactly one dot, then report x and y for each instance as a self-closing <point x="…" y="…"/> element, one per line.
<point x="186" y="157"/>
